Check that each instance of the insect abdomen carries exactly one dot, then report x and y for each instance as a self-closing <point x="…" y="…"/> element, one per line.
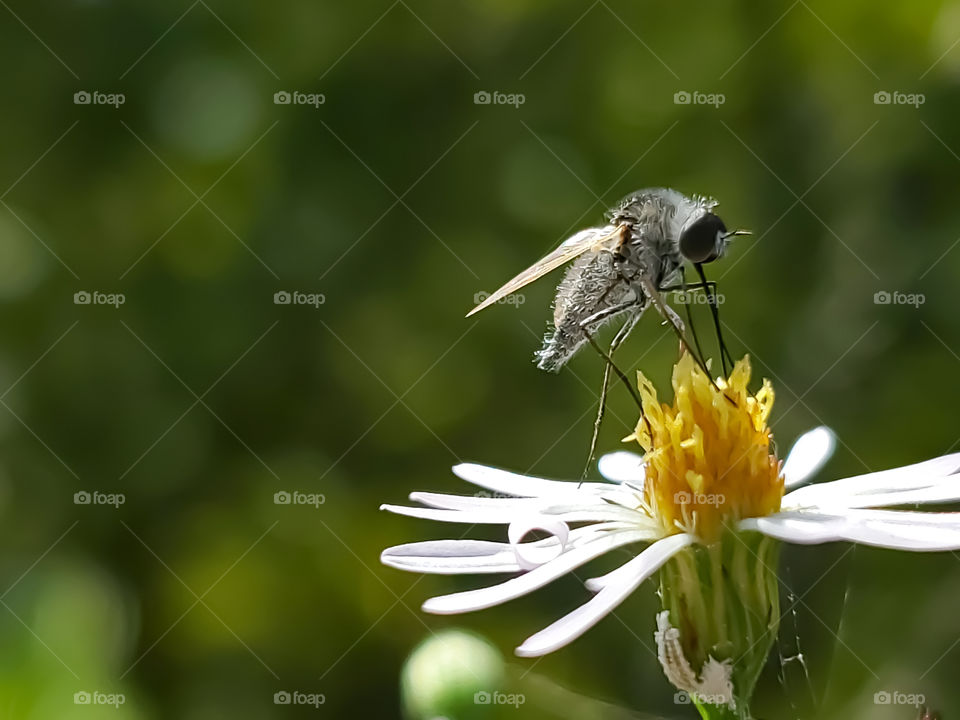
<point x="593" y="283"/>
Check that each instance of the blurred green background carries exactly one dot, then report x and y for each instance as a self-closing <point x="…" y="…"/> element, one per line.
<point x="394" y="201"/>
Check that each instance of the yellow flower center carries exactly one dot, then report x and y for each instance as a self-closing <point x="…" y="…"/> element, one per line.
<point x="708" y="459"/>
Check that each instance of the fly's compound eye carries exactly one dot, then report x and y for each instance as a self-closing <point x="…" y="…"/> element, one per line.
<point x="702" y="240"/>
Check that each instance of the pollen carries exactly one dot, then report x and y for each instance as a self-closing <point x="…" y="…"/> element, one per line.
<point x="708" y="458"/>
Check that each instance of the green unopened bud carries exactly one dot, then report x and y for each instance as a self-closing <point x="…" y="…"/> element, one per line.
<point x="452" y="674"/>
<point x="721" y="614"/>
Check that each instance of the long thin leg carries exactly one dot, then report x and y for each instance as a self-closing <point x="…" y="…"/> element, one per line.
<point x="599" y="316"/>
<point x="715" y="311"/>
<point x="612" y="365"/>
<point x="618" y="340"/>
<point x="670" y="315"/>
<point x="689" y="286"/>
<point x="677" y="324"/>
<point x="689" y="311"/>
<point x="606" y="313"/>
<point x="710" y="287"/>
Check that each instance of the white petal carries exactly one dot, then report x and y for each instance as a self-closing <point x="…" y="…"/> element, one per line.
<point x="450" y="557"/>
<point x="800" y="528"/>
<point x="945" y="490"/>
<point x="455" y="557"/>
<point x="907" y="517"/>
<point x="471" y="502"/>
<point x="843" y="492"/>
<point x="894" y="529"/>
<point x="622" y="467"/>
<point x="507" y="515"/>
<point x="573" y="625"/>
<point x="492" y="516"/>
<point x="529" y="555"/>
<point x="808" y="455"/>
<point x="536" y="578"/>
<point x="508" y="483"/>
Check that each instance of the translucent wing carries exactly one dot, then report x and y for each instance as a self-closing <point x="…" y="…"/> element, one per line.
<point x="592" y="239"/>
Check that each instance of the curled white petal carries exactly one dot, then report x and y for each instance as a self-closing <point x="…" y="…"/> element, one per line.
<point x="808" y="455"/>
<point x="573" y="625"/>
<point x="536" y="578"/>
<point x="622" y="467"/>
<point x="456" y="557"/>
<point x="531" y="555"/>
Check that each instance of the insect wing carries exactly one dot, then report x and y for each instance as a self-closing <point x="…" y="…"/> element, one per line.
<point x="590" y="240"/>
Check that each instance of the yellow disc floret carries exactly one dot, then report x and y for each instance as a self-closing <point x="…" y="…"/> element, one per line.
<point x="708" y="460"/>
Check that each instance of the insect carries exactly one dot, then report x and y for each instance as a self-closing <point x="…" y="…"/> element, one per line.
<point x="623" y="267"/>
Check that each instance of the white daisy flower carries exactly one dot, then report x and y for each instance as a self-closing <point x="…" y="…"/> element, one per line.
<point x="707" y="486"/>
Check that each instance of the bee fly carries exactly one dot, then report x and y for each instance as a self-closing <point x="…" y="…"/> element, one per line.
<point x="622" y="268"/>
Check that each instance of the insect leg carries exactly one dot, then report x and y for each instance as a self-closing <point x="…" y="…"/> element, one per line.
<point x="715" y="311"/>
<point x="670" y="315"/>
<point x="599" y="316"/>
<point x="618" y="339"/>
<point x="689" y="311"/>
<point x="710" y="287"/>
